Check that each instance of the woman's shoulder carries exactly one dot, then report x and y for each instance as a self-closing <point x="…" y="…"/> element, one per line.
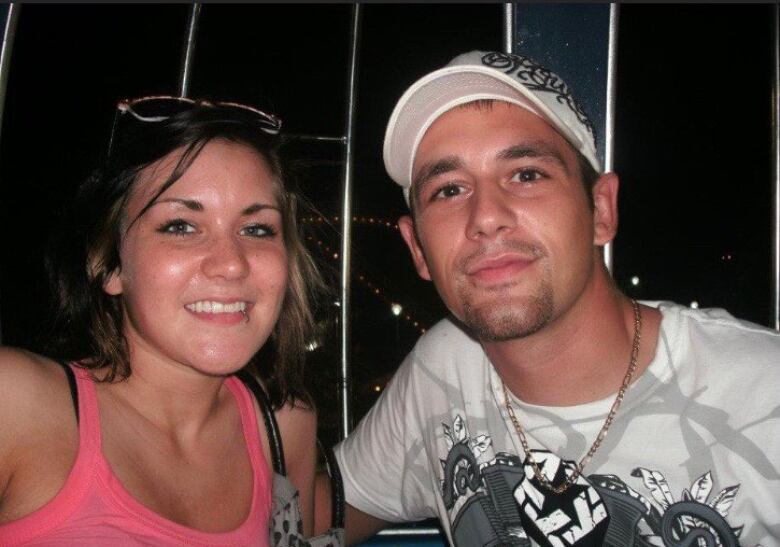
<point x="38" y="431"/>
<point x="298" y="427"/>
<point x="20" y="368"/>
<point x="297" y="418"/>
<point x="294" y="416"/>
<point x="27" y="379"/>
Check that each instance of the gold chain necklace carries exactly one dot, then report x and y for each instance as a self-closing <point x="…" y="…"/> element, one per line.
<point x="571" y="479"/>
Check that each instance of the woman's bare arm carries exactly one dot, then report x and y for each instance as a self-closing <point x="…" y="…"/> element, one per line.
<point x="38" y="432"/>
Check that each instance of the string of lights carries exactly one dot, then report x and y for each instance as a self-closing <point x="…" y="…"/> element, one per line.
<point x="368" y="221"/>
<point x="395" y="308"/>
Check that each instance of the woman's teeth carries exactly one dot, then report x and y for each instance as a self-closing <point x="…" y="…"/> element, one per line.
<point x="208" y="306"/>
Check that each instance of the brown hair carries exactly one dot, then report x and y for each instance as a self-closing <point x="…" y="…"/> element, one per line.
<point x="88" y="323"/>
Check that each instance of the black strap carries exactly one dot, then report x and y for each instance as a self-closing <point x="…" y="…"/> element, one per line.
<point x="336" y="487"/>
<point x="277" y="453"/>
<point x="274" y="438"/>
<point x="74" y="392"/>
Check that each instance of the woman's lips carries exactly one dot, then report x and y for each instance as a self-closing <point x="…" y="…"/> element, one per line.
<point x="222" y="312"/>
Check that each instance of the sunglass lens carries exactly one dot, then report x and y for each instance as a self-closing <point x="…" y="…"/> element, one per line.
<point x="161" y="107"/>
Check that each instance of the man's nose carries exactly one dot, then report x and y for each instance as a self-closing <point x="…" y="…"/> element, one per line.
<point x="490" y="213"/>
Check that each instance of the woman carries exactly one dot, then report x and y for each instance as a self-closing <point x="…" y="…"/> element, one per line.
<point x="182" y="260"/>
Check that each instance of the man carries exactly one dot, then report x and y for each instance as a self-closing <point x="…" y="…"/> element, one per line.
<point x="551" y="409"/>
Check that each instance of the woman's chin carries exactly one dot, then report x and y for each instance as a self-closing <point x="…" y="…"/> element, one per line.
<point x="220" y="361"/>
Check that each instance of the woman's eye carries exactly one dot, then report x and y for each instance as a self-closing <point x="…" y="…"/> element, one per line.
<point x="258" y="230"/>
<point x="178" y="227"/>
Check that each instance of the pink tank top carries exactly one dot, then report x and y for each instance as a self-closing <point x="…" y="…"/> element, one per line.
<point x="93" y="509"/>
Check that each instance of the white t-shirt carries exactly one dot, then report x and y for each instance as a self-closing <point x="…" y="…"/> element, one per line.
<point x="694" y="450"/>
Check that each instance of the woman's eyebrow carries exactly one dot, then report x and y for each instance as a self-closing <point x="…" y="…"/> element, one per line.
<point x="191" y="204"/>
<point x="255" y="207"/>
<point x="195" y="205"/>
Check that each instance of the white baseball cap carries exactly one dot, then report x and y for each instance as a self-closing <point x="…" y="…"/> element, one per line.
<point x="482" y="75"/>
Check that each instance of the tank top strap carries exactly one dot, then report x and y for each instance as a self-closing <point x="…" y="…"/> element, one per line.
<point x="250" y="426"/>
<point x="74" y="394"/>
<point x="262" y="478"/>
<point x="88" y="416"/>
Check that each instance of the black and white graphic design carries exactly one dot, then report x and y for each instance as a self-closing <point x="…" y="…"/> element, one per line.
<point x="535" y="76"/>
<point x="500" y="502"/>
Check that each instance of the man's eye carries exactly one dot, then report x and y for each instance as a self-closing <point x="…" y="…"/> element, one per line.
<point x="447" y="191"/>
<point x="527" y="175"/>
<point x="258" y="230"/>
<point x="177" y="227"/>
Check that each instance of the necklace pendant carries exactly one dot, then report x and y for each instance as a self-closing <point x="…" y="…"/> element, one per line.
<point x="576" y="515"/>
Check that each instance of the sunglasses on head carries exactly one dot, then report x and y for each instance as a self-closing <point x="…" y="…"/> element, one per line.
<point x="158" y="108"/>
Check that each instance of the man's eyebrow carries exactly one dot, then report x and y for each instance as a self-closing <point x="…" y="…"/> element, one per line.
<point x="533" y="150"/>
<point x="434" y="169"/>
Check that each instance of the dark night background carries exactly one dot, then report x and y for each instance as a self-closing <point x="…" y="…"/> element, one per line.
<point x="693" y="147"/>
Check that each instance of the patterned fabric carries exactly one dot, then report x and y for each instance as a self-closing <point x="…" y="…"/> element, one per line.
<point x="692" y="458"/>
<point x="286" y="526"/>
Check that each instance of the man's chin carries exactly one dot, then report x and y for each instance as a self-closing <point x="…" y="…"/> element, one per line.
<point x="502" y="321"/>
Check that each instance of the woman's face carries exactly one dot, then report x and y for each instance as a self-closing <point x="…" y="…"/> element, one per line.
<point x="204" y="270"/>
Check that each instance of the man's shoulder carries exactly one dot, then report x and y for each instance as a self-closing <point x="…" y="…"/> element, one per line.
<point x="715" y="332"/>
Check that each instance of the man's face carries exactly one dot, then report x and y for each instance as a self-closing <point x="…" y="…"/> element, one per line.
<point x="502" y="222"/>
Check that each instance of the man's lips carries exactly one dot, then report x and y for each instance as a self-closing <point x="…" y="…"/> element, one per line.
<point x="498" y="269"/>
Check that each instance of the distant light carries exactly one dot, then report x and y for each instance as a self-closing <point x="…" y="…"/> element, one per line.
<point x="695" y="305"/>
<point x="337" y="304"/>
<point x="635" y="281"/>
<point x="726" y="257"/>
<point x="377" y="388"/>
<point x="335" y="255"/>
<point x="396" y="309"/>
<point x="311" y="346"/>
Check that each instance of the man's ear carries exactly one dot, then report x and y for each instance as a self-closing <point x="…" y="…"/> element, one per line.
<point x="406" y="226"/>
<point x="113" y="284"/>
<point x="605" y="211"/>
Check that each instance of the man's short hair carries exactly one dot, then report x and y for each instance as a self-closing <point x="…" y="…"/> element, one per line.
<point x="588" y="175"/>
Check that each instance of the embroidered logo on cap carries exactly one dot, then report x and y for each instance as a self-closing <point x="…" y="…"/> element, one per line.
<point x="538" y="78"/>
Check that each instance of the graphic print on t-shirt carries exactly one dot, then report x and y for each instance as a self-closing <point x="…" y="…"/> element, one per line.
<point x="501" y="502"/>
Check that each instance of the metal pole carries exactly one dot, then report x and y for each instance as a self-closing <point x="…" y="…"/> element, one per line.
<point x="609" y="121"/>
<point x="509" y="17"/>
<point x="346" y="227"/>
<point x="318" y="138"/>
<point x="776" y="161"/>
<point x="5" y="64"/>
<point x="189" y="50"/>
